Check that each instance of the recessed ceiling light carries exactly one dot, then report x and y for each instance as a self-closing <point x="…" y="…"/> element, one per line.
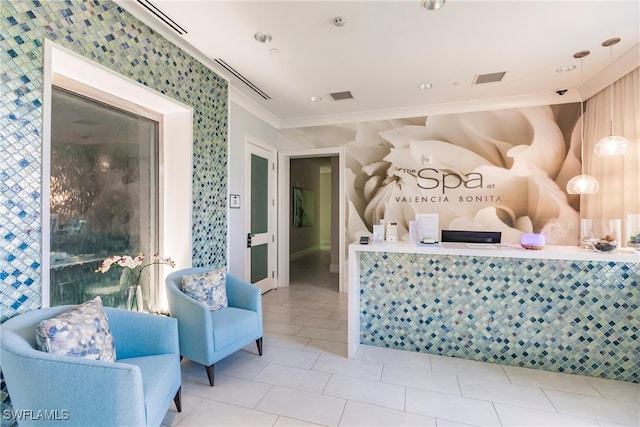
<point x="432" y="4"/>
<point x="425" y="86"/>
<point x="262" y="37"/>
<point x="566" y="68"/>
<point x="274" y="51"/>
<point x="315" y="99"/>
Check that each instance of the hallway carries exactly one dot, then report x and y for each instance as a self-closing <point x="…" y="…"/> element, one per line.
<point x="313" y="270"/>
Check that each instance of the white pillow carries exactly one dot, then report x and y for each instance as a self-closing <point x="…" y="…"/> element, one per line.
<point x="209" y="288"/>
<point x="82" y="331"/>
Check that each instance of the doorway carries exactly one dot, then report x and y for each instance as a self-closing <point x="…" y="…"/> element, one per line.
<point x="287" y="191"/>
<point x="260" y="215"/>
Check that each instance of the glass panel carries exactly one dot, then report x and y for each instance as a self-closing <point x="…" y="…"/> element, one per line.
<point x="259" y="194"/>
<point x="259" y="262"/>
<point x="103" y="197"/>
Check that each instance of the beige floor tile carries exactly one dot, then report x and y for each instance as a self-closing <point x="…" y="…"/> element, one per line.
<point x="231" y="390"/>
<point x="308" y="312"/>
<point x="422" y="379"/>
<point x="286" y="341"/>
<point x="349" y="367"/>
<point x="339" y="315"/>
<point x="296" y="378"/>
<point x="286" y="318"/>
<point x="271" y="308"/>
<point x="366" y="391"/>
<point x="323" y="334"/>
<point x="302" y="405"/>
<point x="212" y="413"/>
<point x="468" y="368"/>
<point x="550" y="380"/>
<point x="408" y="359"/>
<point x="240" y="365"/>
<point x="616" y="390"/>
<point x="316" y="322"/>
<point x="280" y="328"/>
<point x="512" y="394"/>
<point x="517" y="416"/>
<point x="363" y="414"/>
<point x="332" y="348"/>
<point x="292" y="422"/>
<point x="189" y="402"/>
<point x="595" y="407"/>
<point x="449" y="407"/>
<point x="288" y="357"/>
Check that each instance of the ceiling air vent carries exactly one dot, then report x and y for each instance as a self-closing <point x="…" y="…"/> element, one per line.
<point x="242" y="78"/>
<point x="489" y="78"/>
<point x="153" y="9"/>
<point x="340" y="96"/>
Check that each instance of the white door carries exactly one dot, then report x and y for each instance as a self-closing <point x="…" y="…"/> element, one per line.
<point x="260" y="214"/>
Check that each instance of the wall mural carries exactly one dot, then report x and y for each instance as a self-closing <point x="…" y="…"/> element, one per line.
<point x="502" y="170"/>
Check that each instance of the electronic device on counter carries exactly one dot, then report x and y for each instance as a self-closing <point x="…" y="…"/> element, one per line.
<point x="364" y="240"/>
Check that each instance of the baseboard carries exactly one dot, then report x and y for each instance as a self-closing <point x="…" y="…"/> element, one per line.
<point x="303" y="252"/>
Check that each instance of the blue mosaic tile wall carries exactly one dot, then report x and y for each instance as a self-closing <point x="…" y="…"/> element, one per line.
<point x="105" y="33"/>
<point x="577" y="317"/>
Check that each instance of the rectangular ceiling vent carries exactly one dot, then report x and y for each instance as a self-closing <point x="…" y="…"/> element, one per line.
<point x="340" y="96"/>
<point x="242" y="78"/>
<point x="153" y="9"/>
<point x="489" y="78"/>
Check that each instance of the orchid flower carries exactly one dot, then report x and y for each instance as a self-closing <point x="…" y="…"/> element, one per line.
<point x="133" y="263"/>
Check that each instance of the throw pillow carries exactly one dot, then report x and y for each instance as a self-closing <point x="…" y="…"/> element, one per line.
<point x="82" y="331"/>
<point x="209" y="288"/>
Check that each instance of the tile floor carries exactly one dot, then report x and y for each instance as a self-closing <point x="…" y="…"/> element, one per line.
<point x="304" y="378"/>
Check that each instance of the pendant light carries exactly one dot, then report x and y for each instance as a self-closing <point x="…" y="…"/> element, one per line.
<point x="582" y="184"/>
<point x="432" y="4"/>
<point x="611" y="145"/>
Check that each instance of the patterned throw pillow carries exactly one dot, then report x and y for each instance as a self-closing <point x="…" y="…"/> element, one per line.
<point x="82" y="331"/>
<point x="209" y="288"/>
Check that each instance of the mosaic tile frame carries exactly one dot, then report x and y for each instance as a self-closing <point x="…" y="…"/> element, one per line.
<point x="104" y="33"/>
<point x="578" y="317"/>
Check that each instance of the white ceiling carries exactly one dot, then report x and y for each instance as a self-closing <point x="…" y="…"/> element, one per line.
<point x="387" y="48"/>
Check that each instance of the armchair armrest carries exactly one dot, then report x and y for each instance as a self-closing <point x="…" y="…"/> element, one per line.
<point x="50" y="383"/>
<point x="194" y="322"/>
<point x="142" y="334"/>
<point x="243" y="294"/>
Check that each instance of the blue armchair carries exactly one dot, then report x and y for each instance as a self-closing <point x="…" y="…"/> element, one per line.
<point x="135" y="390"/>
<point x="209" y="336"/>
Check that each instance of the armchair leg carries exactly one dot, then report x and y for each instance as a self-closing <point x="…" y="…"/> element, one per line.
<point x="177" y="400"/>
<point x="259" y="344"/>
<point x="210" y="373"/>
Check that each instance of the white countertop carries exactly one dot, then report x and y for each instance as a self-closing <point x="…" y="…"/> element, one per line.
<point x="574" y="253"/>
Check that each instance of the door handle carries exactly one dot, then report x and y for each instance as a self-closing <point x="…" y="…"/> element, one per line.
<point x="249" y="237"/>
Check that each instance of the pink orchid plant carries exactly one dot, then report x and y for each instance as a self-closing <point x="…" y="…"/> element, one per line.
<point x="133" y="263"/>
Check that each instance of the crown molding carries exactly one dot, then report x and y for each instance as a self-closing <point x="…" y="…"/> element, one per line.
<point x="236" y="96"/>
<point x="622" y="66"/>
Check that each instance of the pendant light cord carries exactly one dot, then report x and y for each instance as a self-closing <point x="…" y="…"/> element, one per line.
<point x="610" y="91"/>
<point x="581" y="118"/>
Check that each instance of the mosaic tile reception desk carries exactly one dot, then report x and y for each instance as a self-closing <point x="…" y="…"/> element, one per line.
<point x="562" y="309"/>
